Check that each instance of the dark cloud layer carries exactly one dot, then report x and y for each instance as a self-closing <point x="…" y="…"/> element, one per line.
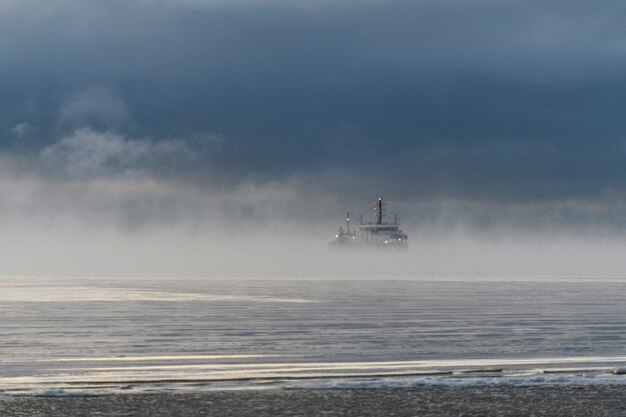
<point x="493" y="102"/>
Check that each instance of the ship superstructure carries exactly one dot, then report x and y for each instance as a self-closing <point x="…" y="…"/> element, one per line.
<point x="373" y="234"/>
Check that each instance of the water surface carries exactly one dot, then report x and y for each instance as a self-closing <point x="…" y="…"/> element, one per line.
<point x="129" y="330"/>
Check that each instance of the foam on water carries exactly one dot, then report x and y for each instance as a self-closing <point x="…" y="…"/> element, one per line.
<point x="564" y="379"/>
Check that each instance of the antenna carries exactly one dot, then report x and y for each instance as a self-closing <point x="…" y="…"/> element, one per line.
<point x="348" y="222"/>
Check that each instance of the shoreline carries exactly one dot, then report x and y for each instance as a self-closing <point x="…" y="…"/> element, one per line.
<point x="425" y="401"/>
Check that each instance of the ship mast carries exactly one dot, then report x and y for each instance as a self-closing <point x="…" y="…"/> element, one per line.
<point x="380" y="211"/>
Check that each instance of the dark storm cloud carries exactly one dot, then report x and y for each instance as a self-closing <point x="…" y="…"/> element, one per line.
<point x="483" y="100"/>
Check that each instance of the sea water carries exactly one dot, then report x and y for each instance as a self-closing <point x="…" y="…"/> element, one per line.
<point x="95" y="334"/>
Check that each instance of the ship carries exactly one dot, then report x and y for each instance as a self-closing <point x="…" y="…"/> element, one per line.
<point x="377" y="234"/>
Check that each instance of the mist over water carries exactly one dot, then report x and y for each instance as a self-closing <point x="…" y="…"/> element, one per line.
<point x="98" y="202"/>
<point x="304" y="253"/>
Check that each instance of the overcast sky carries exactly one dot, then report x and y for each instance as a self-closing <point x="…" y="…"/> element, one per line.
<point x="123" y="106"/>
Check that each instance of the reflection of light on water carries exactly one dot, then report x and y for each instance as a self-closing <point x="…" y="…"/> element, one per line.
<point x="81" y="294"/>
<point x="154" y="358"/>
<point x="362" y="366"/>
<point x="201" y="376"/>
